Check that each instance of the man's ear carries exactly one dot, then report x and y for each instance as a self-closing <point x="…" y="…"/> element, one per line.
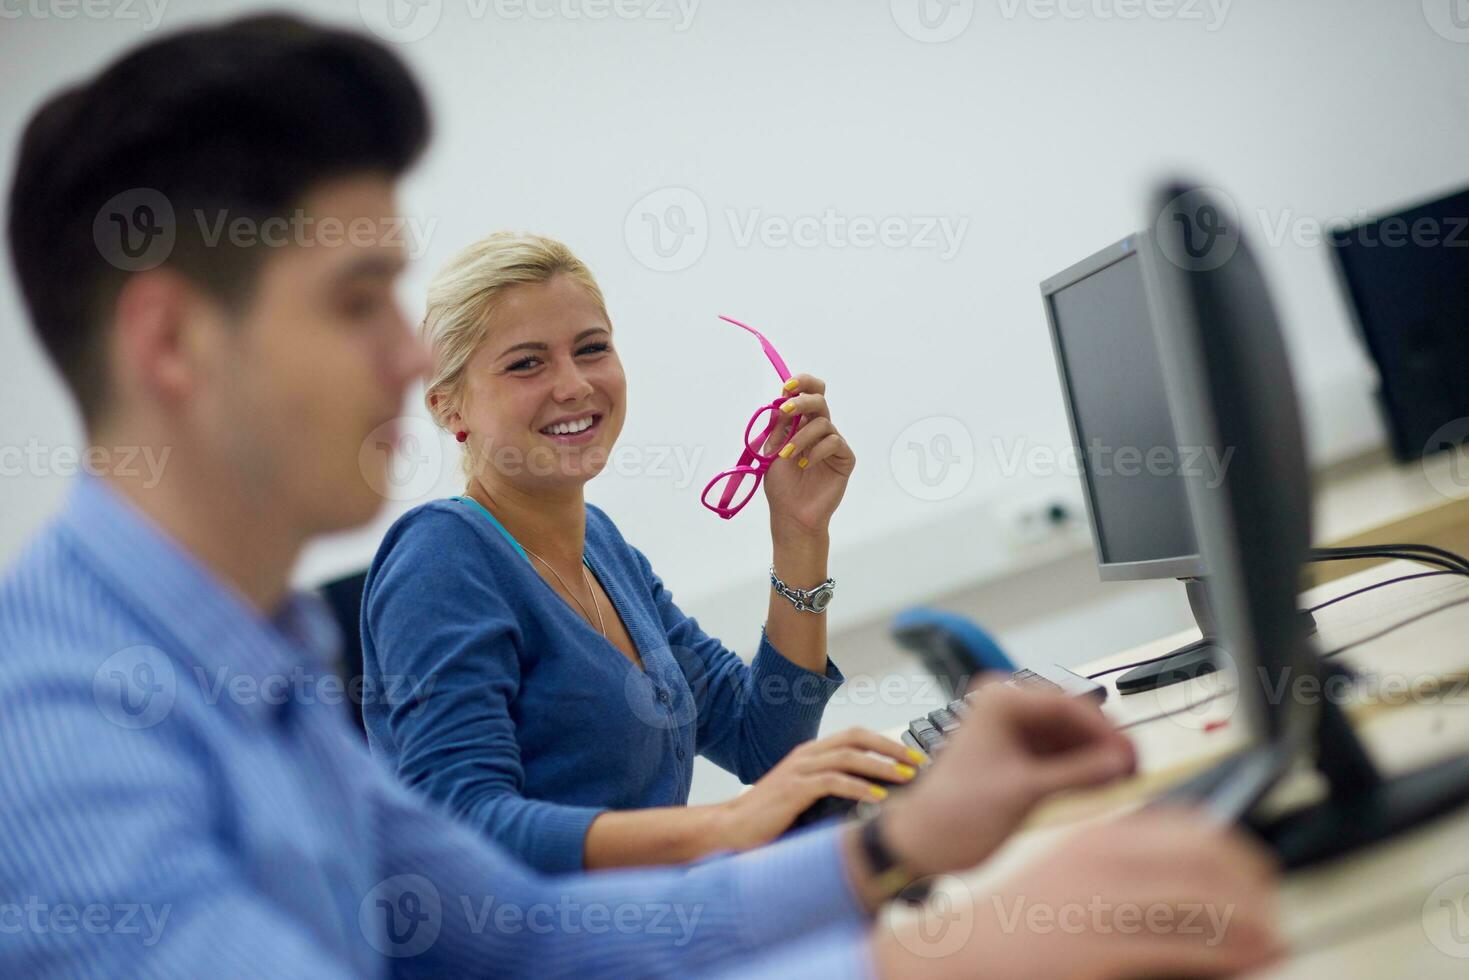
<point x="155" y="336"/>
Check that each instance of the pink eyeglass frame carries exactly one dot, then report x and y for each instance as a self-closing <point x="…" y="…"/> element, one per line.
<point x="753" y="463"/>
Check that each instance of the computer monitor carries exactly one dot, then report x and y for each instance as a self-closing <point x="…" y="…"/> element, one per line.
<point x="1230" y="386"/>
<point x="1407" y="276"/>
<point x="1102" y="316"/>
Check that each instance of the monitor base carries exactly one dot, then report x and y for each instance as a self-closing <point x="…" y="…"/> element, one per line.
<point x="1336" y="827"/>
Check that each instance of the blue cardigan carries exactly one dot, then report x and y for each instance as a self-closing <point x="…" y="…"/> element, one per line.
<point x="500" y="701"/>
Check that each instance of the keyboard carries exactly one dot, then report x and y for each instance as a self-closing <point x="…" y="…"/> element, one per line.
<point x="929" y="733"/>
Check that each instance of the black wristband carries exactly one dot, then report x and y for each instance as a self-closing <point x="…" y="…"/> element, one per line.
<point x="892" y="877"/>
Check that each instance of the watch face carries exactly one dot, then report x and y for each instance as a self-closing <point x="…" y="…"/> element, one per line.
<point x="821" y="599"/>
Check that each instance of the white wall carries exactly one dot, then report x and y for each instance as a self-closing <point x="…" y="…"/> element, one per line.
<point x="1039" y="135"/>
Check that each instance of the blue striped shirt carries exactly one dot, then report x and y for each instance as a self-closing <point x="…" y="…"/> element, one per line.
<point x="181" y="796"/>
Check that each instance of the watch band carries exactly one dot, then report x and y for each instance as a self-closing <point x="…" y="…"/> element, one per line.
<point x="813" y="600"/>
<point x="891" y="877"/>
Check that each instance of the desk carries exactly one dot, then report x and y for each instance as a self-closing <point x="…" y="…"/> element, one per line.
<point x="1362" y="917"/>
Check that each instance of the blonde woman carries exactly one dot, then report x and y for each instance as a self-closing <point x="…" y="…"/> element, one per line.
<point x="556" y="694"/>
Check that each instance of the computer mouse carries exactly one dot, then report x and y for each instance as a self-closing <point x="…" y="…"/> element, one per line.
<point x="839" y="806"/>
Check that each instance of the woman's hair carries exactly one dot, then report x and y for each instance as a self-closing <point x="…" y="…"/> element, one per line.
<point x="463" y="296"/>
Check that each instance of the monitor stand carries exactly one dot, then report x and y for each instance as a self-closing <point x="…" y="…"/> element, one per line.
<point x="1202" y="656"/>
<point x="1361" y="807"/>
<point x="1187" y="662"/>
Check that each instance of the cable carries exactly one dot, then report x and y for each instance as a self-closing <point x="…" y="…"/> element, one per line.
<point x="1396" y="626"/>
<point x="1176" y="711"/>
<point x="1316" y="608"/>
<point x="1356" y="554"/>
<point x="1368" y="588"/>
<point x="1419" y="553"/>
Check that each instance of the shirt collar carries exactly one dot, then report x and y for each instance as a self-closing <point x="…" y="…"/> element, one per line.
<point x="218" y="635"/>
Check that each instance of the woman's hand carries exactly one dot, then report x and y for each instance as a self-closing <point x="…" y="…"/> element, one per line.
<point x="804" y="487"/>
<point x="842" y="765"/>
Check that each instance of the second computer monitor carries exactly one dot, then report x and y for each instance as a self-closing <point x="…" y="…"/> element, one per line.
<point x="1101" y="313"/>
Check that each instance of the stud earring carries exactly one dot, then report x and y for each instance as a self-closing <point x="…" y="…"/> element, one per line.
<point x="461" y="435"/>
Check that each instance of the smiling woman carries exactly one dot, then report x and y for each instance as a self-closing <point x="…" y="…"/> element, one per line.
<point x="556" y="695"/>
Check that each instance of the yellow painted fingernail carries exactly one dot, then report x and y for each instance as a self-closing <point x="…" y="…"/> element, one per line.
<point x="804" y="463"/>
<point x="917" y="756"/>
<point x="791" y="385"/>
<point x="878" y="793"/>
<point x="788" y="407"/>
<point x="907" y="772"/>
<point x="786" y="452"/>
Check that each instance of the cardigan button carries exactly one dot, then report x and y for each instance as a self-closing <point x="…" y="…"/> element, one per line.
<point x="679" y="752"/>
<point x="663" y="695"/>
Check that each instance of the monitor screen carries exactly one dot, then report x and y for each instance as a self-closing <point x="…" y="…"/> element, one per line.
<point x="1113" y="378"/>
<point x="1408" y="278"/>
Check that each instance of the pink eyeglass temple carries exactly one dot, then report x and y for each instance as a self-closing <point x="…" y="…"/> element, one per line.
<point x="744" y="468"/>
<point x="765" y="345"/>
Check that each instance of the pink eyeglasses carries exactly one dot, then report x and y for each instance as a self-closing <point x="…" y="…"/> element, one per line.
<point x="750" y="470"/>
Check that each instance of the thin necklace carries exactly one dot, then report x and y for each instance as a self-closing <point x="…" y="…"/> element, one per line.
<point x="601" y="626"/>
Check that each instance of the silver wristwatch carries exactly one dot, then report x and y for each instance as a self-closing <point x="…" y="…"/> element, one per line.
<point x="806" y="600"/>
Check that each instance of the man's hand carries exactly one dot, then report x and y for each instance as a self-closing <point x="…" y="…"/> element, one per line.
<point x="1154" y="894"/>
<point x="1015" y="748"/>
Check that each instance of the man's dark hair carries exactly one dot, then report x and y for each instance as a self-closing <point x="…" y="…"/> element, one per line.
<point x="240" y="120"/>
